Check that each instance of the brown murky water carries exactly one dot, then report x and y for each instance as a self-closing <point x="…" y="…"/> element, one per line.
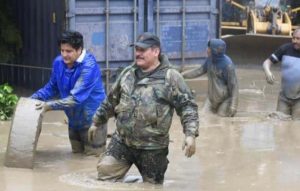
<point x="248" y="152"/>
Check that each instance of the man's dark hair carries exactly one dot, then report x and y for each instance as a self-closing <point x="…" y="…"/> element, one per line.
<point x="73" y="38"/>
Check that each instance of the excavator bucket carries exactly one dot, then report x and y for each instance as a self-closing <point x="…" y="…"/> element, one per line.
<point x="253" y="48"/>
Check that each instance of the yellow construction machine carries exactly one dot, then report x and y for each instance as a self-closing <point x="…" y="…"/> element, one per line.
<point x="264" y="26"/>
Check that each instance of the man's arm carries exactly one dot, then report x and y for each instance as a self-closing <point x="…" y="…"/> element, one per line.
<point x="107" y="109"/>
<point x="233" y="90"/>
<point x="89" y="77"/>
<point x="273" y="59"/>
<point x="195" y="72"/>
<point x="186" y="108"/>
<point x="267" y="66"/>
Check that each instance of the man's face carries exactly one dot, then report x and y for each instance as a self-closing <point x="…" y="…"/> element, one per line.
<point x="69" y="54"/>
<point x="145" y="58"/>
<point x="296" y="40"/>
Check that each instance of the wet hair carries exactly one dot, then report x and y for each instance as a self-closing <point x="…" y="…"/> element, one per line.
<point x="73" y="38"/>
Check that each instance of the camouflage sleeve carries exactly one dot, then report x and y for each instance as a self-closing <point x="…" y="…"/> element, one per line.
<point x="195" y="72"/>
<point x="232" y="86"/>
<point x="107" y="109"/>
<point x="184" y="103"/>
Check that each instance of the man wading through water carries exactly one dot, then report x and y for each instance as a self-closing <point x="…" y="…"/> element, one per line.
<point x="76" y="84"/>
<point x="143" y="100"/>
<point x="289" y="56"/>
<point x="222" y="81"/>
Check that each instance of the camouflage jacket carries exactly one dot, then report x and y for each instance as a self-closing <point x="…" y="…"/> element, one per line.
<point x="144" y="108"/>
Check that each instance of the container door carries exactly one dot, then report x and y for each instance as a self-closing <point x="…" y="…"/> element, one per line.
<point x="108" y="27"/>
<point x="184" y="26"/>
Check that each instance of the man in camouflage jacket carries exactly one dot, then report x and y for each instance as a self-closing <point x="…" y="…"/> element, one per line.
<point x="143" y="100"/>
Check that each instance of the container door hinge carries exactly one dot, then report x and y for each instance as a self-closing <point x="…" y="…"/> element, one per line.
<point x="53" y="17"/>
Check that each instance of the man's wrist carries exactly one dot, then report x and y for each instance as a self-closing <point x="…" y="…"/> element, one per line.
<point x="48" y="106"/>
<point x="189" y="134"/>
<point x="96" y="122"/>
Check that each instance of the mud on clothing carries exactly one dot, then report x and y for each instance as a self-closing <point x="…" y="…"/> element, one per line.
<point x="78" y="91"/>
<point x="290" y="70"/>
<point x="222" y="80"/>
<point x="289" y="106"/>
<point x="80" y="144"/>
<point x="144" y="106"/>
<point x="152" y="164"/>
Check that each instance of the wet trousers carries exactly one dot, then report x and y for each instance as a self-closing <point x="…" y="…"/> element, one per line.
<point x="117" y="160"/>
<point x="221" y="109"/>
<point x="289" y="106"/>
<point x="80" y="144"/>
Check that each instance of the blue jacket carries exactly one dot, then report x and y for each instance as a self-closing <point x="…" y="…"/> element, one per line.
<point x="80" y="90"/>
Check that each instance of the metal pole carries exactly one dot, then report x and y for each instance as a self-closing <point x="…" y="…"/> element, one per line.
<point x="134" y="25"/>
<point x="157" y="17"/>
<point x="219" y="20"/>
<point x="183" y="32"/>
<point x="150" y="19"/>
<point x="141" y="12"/>
<point x="106" y="46"/>
<point x="71" y="15"/>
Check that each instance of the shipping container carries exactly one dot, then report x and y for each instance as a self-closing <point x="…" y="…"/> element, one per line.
<point x="184" y="27"/>
<point x="109" y="27"/>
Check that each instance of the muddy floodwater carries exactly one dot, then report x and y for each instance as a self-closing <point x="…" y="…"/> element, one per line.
<point x="251" y="151"/>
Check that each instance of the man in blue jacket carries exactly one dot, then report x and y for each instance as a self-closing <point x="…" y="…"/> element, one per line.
<point x="75" y="86"/>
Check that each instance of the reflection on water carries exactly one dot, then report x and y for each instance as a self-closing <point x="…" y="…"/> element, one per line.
<point x="16" y="179"/>
<point x="258" y="136"/>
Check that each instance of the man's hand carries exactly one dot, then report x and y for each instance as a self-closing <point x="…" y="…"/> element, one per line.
<point x="189" y="145"/>
<point x="231" y="111"/>
<point x="42" y="106"/>
<point x="92" y="133"/>
<point x="270" y="77"/>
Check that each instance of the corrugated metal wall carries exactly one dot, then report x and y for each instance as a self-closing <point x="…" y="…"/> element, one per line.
<point x="40" y="22"/>
<point x="184" y="27"/>
<point x="109" y="26"/>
